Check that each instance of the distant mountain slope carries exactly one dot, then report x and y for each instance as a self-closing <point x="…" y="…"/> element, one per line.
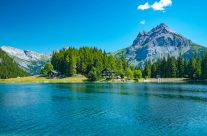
<point x="30" y="61"/>
<point x="160" y="42"/>
<point x="8" y="68"/>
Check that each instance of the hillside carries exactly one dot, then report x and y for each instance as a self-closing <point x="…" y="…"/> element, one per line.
<point x="8" y="68"/>
<point x="29" y="61"/>
<point x="158" y="43"/>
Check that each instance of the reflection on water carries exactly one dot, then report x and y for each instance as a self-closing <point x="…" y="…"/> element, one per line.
<point x="103" y="109"/>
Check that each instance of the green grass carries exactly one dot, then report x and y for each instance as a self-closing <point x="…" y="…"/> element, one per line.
<point x="81" y="79"/>
<point x="38" y="79"/>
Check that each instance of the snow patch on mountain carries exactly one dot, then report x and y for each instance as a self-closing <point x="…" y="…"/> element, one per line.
<point x="28" y="60"/>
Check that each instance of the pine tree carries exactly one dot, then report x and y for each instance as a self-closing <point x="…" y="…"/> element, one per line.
<point x="191" y="66"/>
<point x="66" y="66"/>
<point x="171" y="67"/>
<point x="147" y="69"/>
<point x="137" y="74"/>
<point x="129" y="73"/>
<point x="85" y="60"/>
<point x="186" y="69"/>
<point x="194" y="68"/>
<point x="154" y="70"/>
<point x="180" y="67"/>
<point x="111" y="63"/>
<point x="204" y="66"/>
<point x="120" y="69"/>
<point x="93" y="74"/>
<point x="163" y="68"/>
<point x="72" y="66"/>
<point x="198" y="68"/>
<point x="47" y="68"/>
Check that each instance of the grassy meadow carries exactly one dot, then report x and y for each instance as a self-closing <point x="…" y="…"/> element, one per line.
<point x="39" y="79"/>
<point x="80" y="79"/>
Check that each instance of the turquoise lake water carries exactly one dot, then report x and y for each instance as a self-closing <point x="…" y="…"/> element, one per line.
<point x="103" y="109"/>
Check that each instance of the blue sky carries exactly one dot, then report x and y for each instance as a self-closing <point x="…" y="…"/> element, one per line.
<point x="47" y="25"/>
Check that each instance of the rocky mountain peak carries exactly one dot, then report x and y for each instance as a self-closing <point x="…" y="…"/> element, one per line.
<point x="23" y="54"/>
<point x="160" y="35"/>
<point x="142" y="33"/>
<point x="162" y="28"/>
<point x="158" y="43"/>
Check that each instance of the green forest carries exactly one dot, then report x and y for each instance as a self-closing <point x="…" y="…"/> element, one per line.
<point x="195" y="68"/>
<point x="8" y="68"/>
<point x="90" y="61"/>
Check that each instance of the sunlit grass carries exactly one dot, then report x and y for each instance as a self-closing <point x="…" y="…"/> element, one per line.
<point x="39" y="79"/>
<point x="80" y="78"/>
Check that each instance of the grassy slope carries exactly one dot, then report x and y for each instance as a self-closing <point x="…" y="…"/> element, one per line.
<point x="8" y="68"/>
<point x="198" y="49"/>
<point x="119" y="53"/>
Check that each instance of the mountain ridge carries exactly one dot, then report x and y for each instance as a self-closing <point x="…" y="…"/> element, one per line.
<point x="28" y="60"/>
<point x="158" y="43"/>
<point x="8" y="67"/>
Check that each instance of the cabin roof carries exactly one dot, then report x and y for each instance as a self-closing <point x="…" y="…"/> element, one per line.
<point x="106" y="69"/>
<point x="53" y="71"/>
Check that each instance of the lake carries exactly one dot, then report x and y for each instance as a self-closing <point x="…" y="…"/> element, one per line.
<point x="103" y="109"/>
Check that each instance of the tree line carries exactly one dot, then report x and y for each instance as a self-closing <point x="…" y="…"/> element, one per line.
<point x="8" y="68"/>
<point x="170" y="67"/>
<point x="89" y="61"/>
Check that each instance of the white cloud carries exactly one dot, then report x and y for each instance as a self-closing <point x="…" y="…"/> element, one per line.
<point x="161" y="5"/>
<point x="143" y="22"/>
<point x="157" y="6"/>
<point x="144" y="7"/>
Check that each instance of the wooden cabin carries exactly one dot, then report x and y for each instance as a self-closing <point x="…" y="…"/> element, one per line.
<point x="53" y="74"/>
<point x="106" y="73"/>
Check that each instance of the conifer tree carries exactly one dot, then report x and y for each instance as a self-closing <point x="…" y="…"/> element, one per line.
<point x="171" y="67"/>
<point x="180" y="67"/>
<point x="137" y="74"/>
<point x="204" y="66"/>
<point x="163" y="68"/>
<point x="47" y="68"/>
<point x="129" y="73"/>
<point x="147" y="69"/>
<point x="85" y="60"/>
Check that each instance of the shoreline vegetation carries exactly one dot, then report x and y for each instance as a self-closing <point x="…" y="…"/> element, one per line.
<point x="87" y="64"/>
<point x="82" y="79"/>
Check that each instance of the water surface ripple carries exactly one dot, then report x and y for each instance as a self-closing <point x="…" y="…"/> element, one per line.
<point x="103" y="109"/>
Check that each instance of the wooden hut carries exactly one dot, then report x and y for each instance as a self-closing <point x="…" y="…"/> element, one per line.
<point x="106" y="73"/>
<point x="53" y="74"/>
